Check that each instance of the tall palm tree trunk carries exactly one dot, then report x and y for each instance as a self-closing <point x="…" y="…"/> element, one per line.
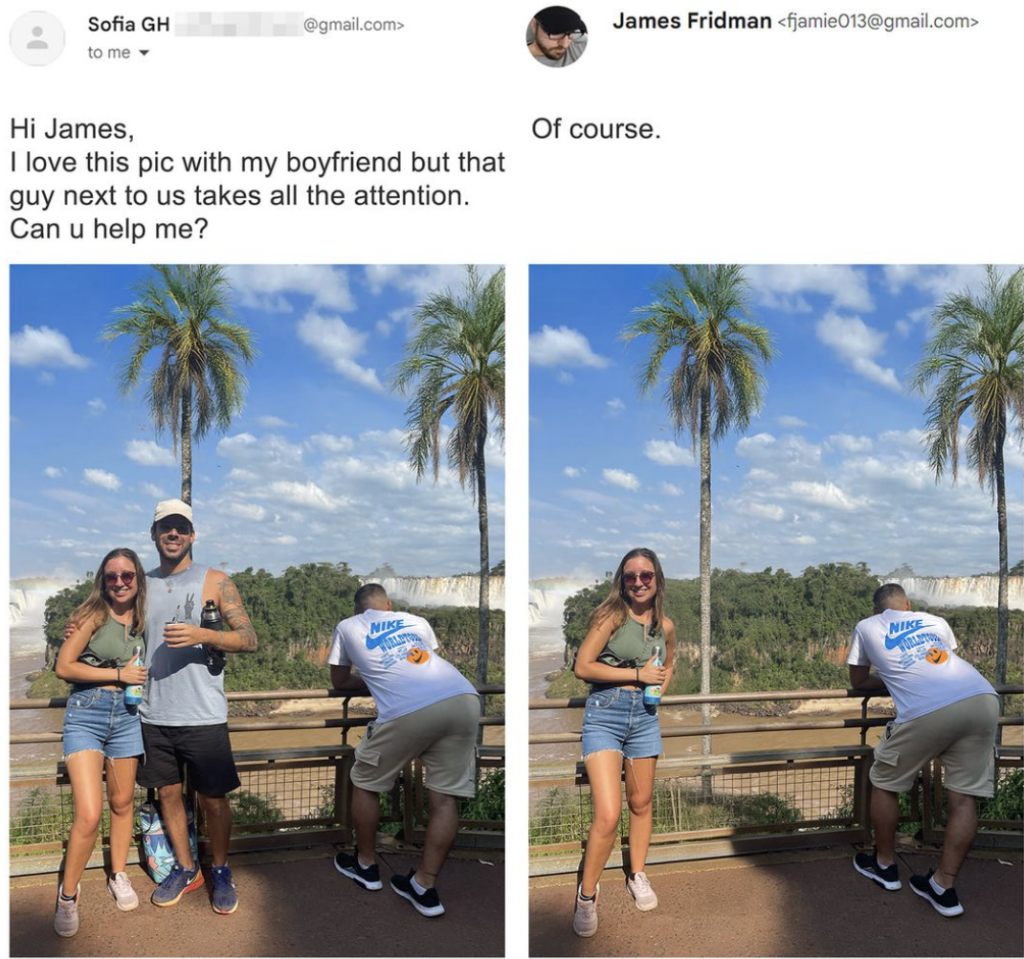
<point x="483" y="642"/>
<point x="1004" y="572"/>
<point x="705" y="575"/>
<point x="186" y="447"/>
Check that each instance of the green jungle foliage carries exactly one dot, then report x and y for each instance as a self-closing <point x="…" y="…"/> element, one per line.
<point x="772" y="630"/>
<point x="294" y="616"/>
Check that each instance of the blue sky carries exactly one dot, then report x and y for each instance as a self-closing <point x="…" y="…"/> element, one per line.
<point x="314" y="468"/>
<point x="831" y="470"/>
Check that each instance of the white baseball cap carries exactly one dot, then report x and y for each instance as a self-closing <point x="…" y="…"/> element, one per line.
<point x="172" y="507"/>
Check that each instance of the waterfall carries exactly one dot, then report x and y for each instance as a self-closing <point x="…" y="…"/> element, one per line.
<point x="963" y="590"/>
<point x="442" y="590"/>
<point x="28" y="600"/>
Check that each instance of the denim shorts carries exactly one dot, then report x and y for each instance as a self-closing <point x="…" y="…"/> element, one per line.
<point x="98" y="719"/>
<point x="619" y="720"/>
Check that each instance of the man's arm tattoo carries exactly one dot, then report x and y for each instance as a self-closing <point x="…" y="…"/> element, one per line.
<point x="235" y="616"/>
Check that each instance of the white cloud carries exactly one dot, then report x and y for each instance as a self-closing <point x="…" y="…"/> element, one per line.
<point x="96" y="406"/>
<point x="265" y="456"/>
<point x="284" y="540"/>
<point x="308" y="495"/>
<point x="850" y="444"/>
<point x="266" y="287"/>
<point x="615" y="405"/>
<point x="330" y="444"/>
<point x="857" y="344"/>
<point x="272" y="422"/>
<point x="54" y="471"/>
<point x="43" y="346"/>
<point x="667" y="453"/>
<point x="790" y="422"/>
<point x="769" y="511"/>
<point x="782" y="287"/>
<point x="153" y="491"/>
<point x="616" y="477"/>
<point x="338" y="344"/>
<point x="102" y="478"/>
<point x="252" y="512"/>
<point x="148" y="453"/>
<point x="564" y="347"/>
<point x="936" y="281"/>
<point x="826" y="494"/>
<point x="670" y="489"/>
<point x="565" y="377"/>
<point x="421" y="281"/>
<point x="572" y="472"/>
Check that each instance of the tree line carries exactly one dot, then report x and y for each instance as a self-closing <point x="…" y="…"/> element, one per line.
<point x="773" y="630"/>
<point x="294" y="615"/>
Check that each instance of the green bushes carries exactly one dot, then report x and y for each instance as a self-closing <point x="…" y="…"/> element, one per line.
<point x="563" y="816"/>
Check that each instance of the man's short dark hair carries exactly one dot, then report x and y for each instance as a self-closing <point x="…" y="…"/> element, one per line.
<point x="370" y="596"/>
<point x="889" y="596"/>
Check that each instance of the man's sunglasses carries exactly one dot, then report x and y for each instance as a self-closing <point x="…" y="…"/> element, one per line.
<point x="182" y="526"/>
<point x="645" y="577"/>
<point x="111" y="578"/>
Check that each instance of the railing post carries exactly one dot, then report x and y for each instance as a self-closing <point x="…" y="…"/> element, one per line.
<point x="862" y="795"/>
<point x="343" y="793"/>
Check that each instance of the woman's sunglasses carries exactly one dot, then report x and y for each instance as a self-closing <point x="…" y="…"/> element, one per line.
<point x="111" y="578"/>
<point x="645" y="577"/>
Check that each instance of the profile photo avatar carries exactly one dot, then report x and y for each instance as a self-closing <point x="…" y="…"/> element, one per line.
<point x="556" y="37"/>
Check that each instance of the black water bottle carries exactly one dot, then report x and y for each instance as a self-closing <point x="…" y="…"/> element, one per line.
<point x="210" y="619"/>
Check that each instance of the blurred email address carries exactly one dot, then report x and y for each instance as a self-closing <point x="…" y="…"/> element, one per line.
<point x="875" y="21"/>
<point x="351" y="25"/>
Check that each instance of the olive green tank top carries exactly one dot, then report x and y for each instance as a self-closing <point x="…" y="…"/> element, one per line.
<point x="631" y="645"/>
<point x="112" y="642"/>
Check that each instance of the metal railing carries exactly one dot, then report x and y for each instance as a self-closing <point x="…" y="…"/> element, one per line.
<point x="723" y="804"/>
<point x="290" y="796"/>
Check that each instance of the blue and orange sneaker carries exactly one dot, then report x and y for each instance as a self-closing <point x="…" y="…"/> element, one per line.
<point x="177" y="883"/>
<point x="225" y="898"/>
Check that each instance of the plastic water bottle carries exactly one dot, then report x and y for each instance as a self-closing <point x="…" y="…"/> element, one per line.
<point x="652" y="694"/>
<point x="133" y="694"/>
<point x="210" y="618"/>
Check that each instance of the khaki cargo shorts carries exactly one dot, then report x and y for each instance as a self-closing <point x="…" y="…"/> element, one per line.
<point x="442" y="735"/>
<point x="961" y="734"/>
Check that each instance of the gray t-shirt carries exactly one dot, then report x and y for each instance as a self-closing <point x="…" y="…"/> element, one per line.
<point x="181" y="690"/>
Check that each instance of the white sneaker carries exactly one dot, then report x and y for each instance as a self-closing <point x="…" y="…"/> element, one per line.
<point x="640" y="889"/>
<point x="65" y="920"/>
<point x="584" y="921"/>
<point x="120" y="887"/>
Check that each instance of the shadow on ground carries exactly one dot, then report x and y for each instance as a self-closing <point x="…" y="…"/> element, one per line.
<point x="302" y="907"/>
<point x="811" y="904"/>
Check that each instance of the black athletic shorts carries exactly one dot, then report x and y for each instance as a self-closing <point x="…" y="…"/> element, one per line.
<point x="203" y="751"/>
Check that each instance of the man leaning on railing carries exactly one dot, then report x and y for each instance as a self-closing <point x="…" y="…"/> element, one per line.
<point x="426" y="709"/>
<point x="944" y="708"/>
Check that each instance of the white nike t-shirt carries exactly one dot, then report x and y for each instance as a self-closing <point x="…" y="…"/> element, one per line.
<point x="913" y="653"/>
<point x="396" y="656"/>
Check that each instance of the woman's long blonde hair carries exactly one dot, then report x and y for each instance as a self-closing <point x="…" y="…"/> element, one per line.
<point x="98" y="602"/>
<point x="617" y="604"/>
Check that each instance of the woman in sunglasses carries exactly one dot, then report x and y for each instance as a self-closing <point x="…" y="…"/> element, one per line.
<point x="617" y="658"/>
<point x="100" y="729"/>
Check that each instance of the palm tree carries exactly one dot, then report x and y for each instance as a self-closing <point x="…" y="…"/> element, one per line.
<point x="182" y="313"/>
<point x="455" y="366"/>
<point x="973" y="364"/>
<point x="714" y="386"/>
